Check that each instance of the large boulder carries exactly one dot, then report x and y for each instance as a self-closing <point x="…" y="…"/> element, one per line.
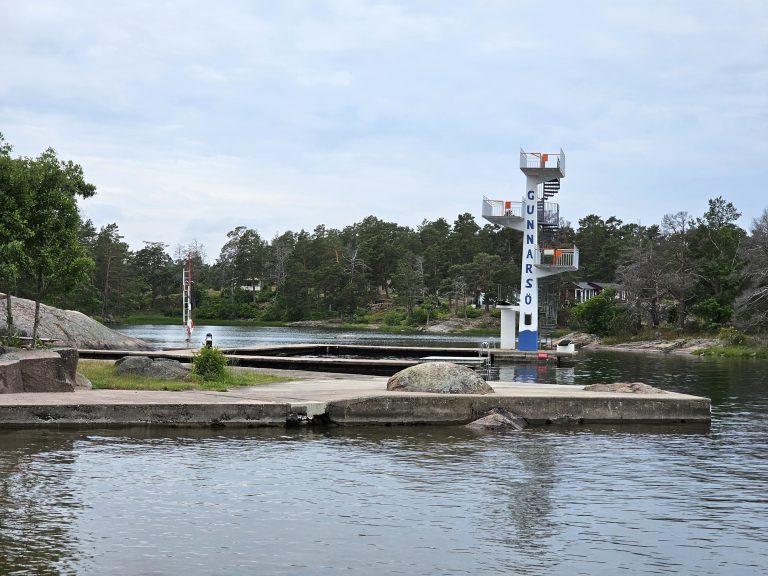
<point x="160" y="368"/>
<point x="68" y="327"/>
<point x="578" y="339"/>
<point x="439" y="377"/>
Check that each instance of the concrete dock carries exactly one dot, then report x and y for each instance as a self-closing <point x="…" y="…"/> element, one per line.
<point x="346" y="358"/>
<point x="343" y="399"/>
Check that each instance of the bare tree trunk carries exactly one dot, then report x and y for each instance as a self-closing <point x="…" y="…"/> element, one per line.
<point x="8" y="312"/>
<point x="654" y="311"/>
<point x="38" y="297"/>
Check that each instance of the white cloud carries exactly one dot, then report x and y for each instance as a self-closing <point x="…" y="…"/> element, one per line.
<point x="192" y="118"/>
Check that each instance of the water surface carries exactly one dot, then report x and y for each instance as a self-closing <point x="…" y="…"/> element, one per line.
<point x="164" y="336"/>
<point x="426" y="500"/>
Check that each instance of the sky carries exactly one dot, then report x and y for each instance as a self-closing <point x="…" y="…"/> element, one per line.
<point x="193" y="118"/>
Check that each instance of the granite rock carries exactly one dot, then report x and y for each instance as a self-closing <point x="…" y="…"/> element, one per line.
<point x="498" y="419"/>
<point x="68" y="327"/>
<point x="440" y="378"/>
<point x="160" y="368"/>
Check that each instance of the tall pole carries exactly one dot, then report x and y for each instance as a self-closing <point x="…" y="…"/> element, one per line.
<point x="186" y="294"/>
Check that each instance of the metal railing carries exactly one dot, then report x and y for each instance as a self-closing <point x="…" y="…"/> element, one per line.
<point x="542" y="160"/>
<point x="557" y="257"/>
<point x="502" y="208"/>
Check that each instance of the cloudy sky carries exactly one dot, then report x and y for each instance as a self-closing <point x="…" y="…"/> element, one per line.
<point x="193" y="117"/>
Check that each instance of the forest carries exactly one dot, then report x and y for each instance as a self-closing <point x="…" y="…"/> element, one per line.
<point x="691" y="273"/>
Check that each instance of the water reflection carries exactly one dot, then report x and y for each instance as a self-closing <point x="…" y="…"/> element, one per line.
<point x="446" y="500"/>
<point x="534" y="372"/>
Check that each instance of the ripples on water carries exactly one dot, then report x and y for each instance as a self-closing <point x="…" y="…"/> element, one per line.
<point x="429" y="500"/>
<point x="394" y="501"/>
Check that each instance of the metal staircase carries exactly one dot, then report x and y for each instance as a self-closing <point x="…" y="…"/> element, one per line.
<point x="549" y="222"/>
<point x="549" y="302"/>
<point x="551" y="187"/>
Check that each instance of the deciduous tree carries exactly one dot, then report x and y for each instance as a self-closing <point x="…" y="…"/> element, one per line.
<point x="54" y="255"/>
<point x="751" y="306"/>
<point x="14" y="205"/>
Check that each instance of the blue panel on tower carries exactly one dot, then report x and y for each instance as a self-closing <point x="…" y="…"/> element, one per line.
<point x="528" y="341"/>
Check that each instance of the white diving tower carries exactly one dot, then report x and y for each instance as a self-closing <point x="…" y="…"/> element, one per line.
<point x="539" y="221"/>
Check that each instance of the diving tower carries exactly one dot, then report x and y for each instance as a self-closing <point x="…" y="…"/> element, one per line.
<point x="538" y="219"/>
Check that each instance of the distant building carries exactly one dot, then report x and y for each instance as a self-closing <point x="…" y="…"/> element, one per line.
<point x="621" y="292"/>
<point x="251" y="284"/>
<point x="578" y="292"/>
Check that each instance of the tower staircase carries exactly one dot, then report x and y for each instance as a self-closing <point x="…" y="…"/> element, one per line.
<point x="549" y="303"/>
<point x="551" y="187"/>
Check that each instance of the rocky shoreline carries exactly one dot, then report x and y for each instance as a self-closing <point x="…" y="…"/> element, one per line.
<point x="676" y="346"/>
<point x="75" y="329"/>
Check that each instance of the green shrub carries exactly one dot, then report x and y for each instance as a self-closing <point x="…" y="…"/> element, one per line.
<point x="419" y="315"/>
<point x="273" y="312"/>
<point x="713" y="313"/>
<point x="393" y="318"/>
<point x="470" y="312"/>
<point x="209" y="363"/>
<point x="604" y="315"/>
<point x="248" y="310"/>
<point x="731" y="336"/>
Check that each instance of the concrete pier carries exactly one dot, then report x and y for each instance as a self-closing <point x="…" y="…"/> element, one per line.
<point x="344" y="358"/>
<point x="343" y="400"/>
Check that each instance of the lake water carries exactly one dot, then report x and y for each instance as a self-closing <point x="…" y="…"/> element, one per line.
<point x="238" y="336"/>
<point x="426" y="500"/>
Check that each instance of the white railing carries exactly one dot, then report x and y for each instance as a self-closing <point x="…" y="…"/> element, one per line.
<point x="502" y="208"/>
<point x="557" y="257"/>
<point x="542" y="160"/>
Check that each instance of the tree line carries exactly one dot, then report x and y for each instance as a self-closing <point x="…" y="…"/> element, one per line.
<point x="691" y="272"/>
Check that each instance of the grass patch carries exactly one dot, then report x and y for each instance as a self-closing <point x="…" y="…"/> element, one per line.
<point x="103" y="376"/>
<point x="760" y="352"/>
